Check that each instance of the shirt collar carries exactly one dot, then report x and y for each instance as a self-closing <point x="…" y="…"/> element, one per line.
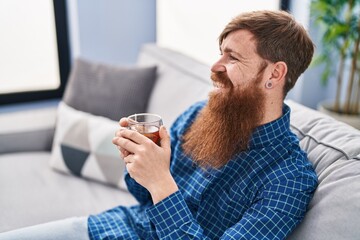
<point x="269" y="132"/>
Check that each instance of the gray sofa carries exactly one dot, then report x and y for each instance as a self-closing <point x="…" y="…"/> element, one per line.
<point x="33" y="191"/>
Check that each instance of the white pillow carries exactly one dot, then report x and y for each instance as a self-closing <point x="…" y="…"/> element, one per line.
<point x="82" y="146"/>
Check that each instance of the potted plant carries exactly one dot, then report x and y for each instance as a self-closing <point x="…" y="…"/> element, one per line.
<point x="339" y="23"/>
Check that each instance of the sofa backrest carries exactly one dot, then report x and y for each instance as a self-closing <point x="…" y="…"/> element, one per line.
<point x="181" y="81"/>
<point x="334" y="150"/>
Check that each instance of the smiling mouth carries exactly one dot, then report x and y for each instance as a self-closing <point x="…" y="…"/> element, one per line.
<point x="218" y="85"/>
<point x="221" y="81"/>
<point x="221" y="86"/>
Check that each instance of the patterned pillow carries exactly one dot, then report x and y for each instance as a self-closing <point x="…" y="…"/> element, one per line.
<point x="107" y="90"/>
<point x="82" y="146"/>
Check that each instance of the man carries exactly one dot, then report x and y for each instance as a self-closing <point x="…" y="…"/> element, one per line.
<point x="230" y="168"/>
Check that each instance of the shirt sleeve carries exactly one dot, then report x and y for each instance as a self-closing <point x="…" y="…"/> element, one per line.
<point x="173" y="219"/>
<point x="273" y="215"/>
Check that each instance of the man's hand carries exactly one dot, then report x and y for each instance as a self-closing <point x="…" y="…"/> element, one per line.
<point x="123" y="125"/>
<point x="147" y="163"/>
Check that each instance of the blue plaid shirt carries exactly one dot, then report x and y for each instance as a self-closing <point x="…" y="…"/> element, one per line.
<point x="262" y="193"/>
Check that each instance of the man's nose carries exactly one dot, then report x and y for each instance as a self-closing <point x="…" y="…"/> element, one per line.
<point x="218" y="67"/>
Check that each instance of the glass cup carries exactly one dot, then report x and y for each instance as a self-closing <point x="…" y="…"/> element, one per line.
<point x="147" y="124"/>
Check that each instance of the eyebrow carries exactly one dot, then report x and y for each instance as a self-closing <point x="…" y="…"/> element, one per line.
<point x="229" y="50"/>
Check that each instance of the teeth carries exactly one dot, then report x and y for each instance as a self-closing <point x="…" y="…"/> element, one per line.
<point x="218" y="85"/>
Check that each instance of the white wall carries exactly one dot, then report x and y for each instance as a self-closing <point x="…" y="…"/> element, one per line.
<point x="110" y="31"/>
<point x="193" y="27"/>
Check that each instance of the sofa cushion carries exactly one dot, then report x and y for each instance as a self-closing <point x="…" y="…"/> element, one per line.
<point x="82" y="146"/>
<point x="107" y="90"/>
<point x="32" y="193"/>
<point x="334" y="150"/>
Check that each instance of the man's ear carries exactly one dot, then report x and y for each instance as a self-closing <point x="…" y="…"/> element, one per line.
<point x="279" y="72"/>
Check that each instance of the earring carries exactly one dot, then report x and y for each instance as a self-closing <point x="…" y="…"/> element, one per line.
<point x="268" y="84"/>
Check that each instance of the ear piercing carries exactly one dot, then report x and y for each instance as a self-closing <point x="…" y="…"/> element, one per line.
<point x="268" y="84"/>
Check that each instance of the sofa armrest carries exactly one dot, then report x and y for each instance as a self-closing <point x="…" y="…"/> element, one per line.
<point x="27" y="130"/>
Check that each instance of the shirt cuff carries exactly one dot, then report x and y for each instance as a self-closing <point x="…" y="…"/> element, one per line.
<point x="170" y="214"/>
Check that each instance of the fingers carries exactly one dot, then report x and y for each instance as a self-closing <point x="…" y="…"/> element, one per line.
<point x="165" y="138"/>
<point x="130" y="141"/>
<point x="125" y="145"/>
<point x="128" y="159"/>
<point x="134" y="136"/>
<point x="124" y="153"/>
<point x="123" y="122"/>
<point x="118" y="134"/>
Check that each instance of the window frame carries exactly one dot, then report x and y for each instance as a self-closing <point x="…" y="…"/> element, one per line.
<point x="64" y="62"/>
<point x="285" y="5"/>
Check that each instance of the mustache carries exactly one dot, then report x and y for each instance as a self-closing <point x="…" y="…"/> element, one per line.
<point x="222" y="79"/>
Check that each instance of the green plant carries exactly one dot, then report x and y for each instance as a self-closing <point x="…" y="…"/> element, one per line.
<point x="339" y="21"/>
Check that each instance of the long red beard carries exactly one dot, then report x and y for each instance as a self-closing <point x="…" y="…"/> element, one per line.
<point x="225" y="125"/>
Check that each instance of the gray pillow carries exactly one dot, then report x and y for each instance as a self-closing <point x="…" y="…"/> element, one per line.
<point x="107" y="90"/>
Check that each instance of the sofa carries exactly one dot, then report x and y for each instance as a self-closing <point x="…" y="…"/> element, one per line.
<point x="40" y="181"/>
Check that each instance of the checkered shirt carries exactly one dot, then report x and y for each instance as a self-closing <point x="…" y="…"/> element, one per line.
<point x="262" y="193"/>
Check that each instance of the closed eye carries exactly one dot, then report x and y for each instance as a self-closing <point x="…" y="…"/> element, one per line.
<point x="232" y="58"/>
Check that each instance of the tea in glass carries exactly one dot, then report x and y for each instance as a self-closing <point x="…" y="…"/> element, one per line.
<point x="147" y="124"/>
